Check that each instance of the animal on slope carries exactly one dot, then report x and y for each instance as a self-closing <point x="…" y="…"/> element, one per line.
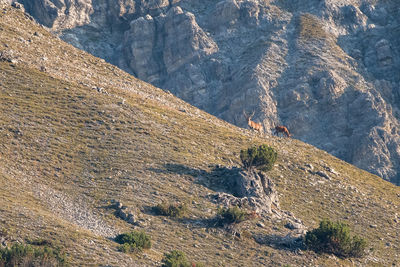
<point x="283" y="130"/>
<point x="253" y="125"/>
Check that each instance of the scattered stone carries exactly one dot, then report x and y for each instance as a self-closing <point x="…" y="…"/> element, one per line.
<point x="118" y="205"/>
<point x="131" y="218"/>
<point x="98" y="89"/>
<point x="18" y="6"/>
<point x="323" y="174"/>
<point x="260" y="224"/>
<point x="124" y="212"/>
<point x="7" y="55"/>
<point x="293" y="225"/>
<point x="331" y="170"/>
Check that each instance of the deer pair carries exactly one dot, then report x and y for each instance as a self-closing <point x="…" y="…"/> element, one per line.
<point x="258" y="127"/>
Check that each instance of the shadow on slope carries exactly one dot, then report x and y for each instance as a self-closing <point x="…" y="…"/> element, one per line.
<point x="216" y="179"/>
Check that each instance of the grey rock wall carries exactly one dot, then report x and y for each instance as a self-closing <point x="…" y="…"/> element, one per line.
<point x="327" y="69"/>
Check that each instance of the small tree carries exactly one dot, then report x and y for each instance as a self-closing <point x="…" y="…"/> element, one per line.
<point x="27" y="255"/>
<point x="172" y="210"/>
<point x="133" y="241"/>
<point x="175" y="258"/>
<point x="335" y="238"/>
<point x="262" y="157"/>
<point x="231" y="215"/>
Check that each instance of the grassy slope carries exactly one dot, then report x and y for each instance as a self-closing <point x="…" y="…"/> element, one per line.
<point x="67" y="150"/>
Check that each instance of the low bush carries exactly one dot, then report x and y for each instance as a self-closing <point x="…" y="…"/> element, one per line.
<point x="177" y="258"/>
<point x="231" y="215"/>
<point x="172" y="210"/>
<point x="133" y="241"/>
<point x="262" y="157"/>
<point x="335" y="238"/>
<point x="27" y="255"/>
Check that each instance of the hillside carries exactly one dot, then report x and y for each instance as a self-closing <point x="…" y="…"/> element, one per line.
<point x="327" y="69"/>
<point x="78" y="134"/>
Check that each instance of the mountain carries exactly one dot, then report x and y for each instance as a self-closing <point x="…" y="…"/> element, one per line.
<point x="79" y="135"/>
<point x="328" y="70"/>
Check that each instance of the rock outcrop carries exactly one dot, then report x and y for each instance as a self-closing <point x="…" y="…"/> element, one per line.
<point x="252" y="190"/>
<point x="329" y="70"/>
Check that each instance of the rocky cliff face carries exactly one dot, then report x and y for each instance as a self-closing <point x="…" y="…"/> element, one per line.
<point x="327" y="69"/>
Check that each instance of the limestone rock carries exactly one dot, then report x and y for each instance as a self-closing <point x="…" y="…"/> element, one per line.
<point x="52" y="13"/>
<point x="125" y="213"/>
<point x="184" y="40"/>
<point x="152" y="7"/>
<point x="140" y="43"/>
<point x="294" y="225"/>
<point x="251" y="189"/>
<point x="225" y="14"/>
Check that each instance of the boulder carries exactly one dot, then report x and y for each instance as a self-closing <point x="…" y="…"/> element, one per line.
<point x="251" y="189"/>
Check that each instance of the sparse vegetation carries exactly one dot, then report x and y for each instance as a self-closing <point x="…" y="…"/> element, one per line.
<point x="231" y="215"/>
<point x="172" y="210"/>
<point x="133" y="242"/>
<point x="27" y="255"/>
<point x="177" y="258"/>
<point x="262" y="157"/>
<point x="335" y="238"/>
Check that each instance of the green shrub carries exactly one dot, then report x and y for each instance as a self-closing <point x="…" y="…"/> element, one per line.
<point x="177" y="258"/>
<point x="262" y="157"/>
<point x="172" y="210"/>
<point x="27" y="255"/>
<point x="231" y="215"/>
<point x="335" y="238"/>
<point x="133" y="241"/>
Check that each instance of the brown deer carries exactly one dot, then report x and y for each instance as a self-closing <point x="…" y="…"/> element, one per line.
<point x="283" y="130"/>
<point x="253" y="125"/>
